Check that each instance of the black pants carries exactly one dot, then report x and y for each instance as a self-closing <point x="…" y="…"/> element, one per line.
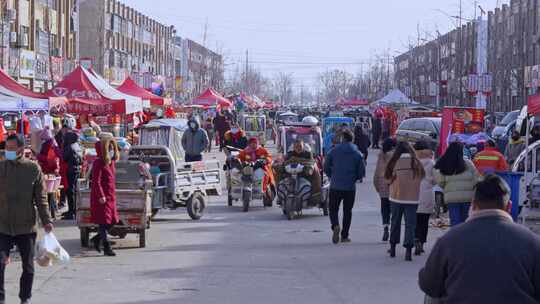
<point x="407" y="211"/>
<point x="336" y="196"/>
<point x="26" y="244"/>
<point x="376" y="138"/>
<point x="71" y="192"/>
<point x="103" y="229"/>
<point x="422" y="227"/>
<point x="385" y="210"/>
<point x="193" y="158"/>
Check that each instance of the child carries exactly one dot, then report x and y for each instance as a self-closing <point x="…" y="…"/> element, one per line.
<point x="427" y="196"/>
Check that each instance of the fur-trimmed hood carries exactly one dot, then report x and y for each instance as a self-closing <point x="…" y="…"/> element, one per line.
<point x="104" y="146"/>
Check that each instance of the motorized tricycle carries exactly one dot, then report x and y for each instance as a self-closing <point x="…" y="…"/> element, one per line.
<point x="294" y="187"/>
<point x="176" y="183"/>
<point x="245" y="180"/>
<point x="133" y="201"/>
<point x="254" y="125"/>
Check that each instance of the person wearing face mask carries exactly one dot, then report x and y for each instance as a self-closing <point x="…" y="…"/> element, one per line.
<point x="73" y="160"/>
<point x="194" y="141"/>
<point x="103" y="192"/>
<point x="236" y="138"/>
<point x="22" y="192"/>
<point x="514" y="148"/>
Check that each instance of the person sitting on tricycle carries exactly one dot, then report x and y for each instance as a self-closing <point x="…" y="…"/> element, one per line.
<point x="300" y="154"/>
<point x="236" y="138"/>
<point x="255" y="152"/>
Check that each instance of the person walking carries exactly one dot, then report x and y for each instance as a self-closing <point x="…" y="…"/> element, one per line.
<point x="376" y="131"/>
<point x="361" y="140"/>
<point x="344" y="165"/>
<point x="457" y="177"/>
<point x="426" y="204"/>
<point x="221" y="126"/>
<point x="73" y="158"/>
<point x="381" y="184"/>
<point x="209" y="128"/>
<point x="103" y="192"/>
<point x="488" y="259"/>
<point x="515" y="146"/>
<point x="404" y="173"/>
<point x="194" y="141"/>
<point x="490" y="159"/>
<point x="22" y="191"/>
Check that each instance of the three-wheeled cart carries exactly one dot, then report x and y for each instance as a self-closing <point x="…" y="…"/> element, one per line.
<point x="133" y="201"/>
<point x="254" y="126"/>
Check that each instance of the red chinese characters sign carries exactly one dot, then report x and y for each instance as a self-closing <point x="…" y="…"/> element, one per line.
<point x="460" y="121"/>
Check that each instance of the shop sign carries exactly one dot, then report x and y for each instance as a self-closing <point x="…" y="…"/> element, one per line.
<point x="42" y="67"/>
<point x="27" y="64"/>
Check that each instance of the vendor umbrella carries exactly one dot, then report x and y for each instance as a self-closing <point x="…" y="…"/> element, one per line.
<point x="211" y="98"/>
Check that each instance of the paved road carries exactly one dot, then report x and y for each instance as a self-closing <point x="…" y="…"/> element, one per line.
<point x="233" y="257"/>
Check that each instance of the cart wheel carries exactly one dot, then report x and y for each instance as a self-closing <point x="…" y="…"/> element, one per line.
<point x="246" y="197"/>
<point x="268" y="199"/>
<point x="142" y="238"/>
<point x="85" y="237"/>
<point x="196" y="205"/>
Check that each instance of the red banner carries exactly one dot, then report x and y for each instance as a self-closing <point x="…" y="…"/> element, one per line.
<point x="459" y="121"/>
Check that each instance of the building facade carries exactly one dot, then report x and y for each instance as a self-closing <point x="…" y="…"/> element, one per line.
<point x="513" y="60"/>
<point x="120" y="42"/>
<point x="39" y="40"/>
<point x="201" y="68"/>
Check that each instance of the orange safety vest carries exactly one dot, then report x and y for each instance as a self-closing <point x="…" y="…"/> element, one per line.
<point x="490" y="160"/>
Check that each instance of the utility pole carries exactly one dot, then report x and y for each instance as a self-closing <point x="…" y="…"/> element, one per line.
<point x="246" y="84"/>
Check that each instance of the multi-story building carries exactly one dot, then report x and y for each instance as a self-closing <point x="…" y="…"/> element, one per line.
<point x="514" y="53"/>
<point x="121" y="42"/>
<point x="513" y="59"/>
<point x="439" y="67"/>
<point x="201" y="68"/>
<point x="39" y="40"/>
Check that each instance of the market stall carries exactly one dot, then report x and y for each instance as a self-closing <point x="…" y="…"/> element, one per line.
<point x="131" y="88"/>
<point x="211" y="98"/>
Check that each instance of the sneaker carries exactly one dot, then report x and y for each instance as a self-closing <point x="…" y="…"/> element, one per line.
<point x="345" y="240"/>
<point x="335" y="234"/>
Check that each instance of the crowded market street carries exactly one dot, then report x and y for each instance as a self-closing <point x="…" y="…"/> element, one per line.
<point x="233" y="257"/>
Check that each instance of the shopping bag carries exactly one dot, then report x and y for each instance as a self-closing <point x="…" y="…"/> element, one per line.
<point x="49" y="251"/>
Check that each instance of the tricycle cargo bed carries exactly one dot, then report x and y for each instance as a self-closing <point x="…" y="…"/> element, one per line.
<point x="126" y="200"/>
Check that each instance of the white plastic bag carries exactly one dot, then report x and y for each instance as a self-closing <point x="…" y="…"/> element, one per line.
<point x="49" y="251"/>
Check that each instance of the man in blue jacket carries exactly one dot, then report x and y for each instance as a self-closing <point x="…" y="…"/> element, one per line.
<point x="344" y="165"/>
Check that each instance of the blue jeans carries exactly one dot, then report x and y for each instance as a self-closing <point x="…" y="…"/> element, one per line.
<point x="409" y="212"/>
<point x="458" y="212"/>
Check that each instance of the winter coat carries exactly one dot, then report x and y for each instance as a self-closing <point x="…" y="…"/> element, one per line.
<point x="72" y="152"/>
<point x="195" y="141"/>
<point x="379" y="182"/>
<point x="49" y="158"/>
<point x="238" y="140"/>
<point x="22" y="191"/>
<point x="513" y="150"/>
<point x="490" y="160"/>
<point x="459" y="188"/>
<point x="221" y="124"/>
<point x="103" y="184"/>
<point x="404" y="184"/>
<point x="488" y="259"/>
<point x="426" y="204"/>
<point x="361" y="140"/>
<point x="260" y="153"/>
<point x="344" y="164"/>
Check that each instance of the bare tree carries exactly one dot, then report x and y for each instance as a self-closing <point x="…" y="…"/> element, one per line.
<point x="283" y="85"/>
<point x="335" y="84"/>
<point x="250" y="81"/>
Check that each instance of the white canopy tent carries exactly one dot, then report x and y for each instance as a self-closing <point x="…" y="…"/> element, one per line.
<point x="395" y="97"/>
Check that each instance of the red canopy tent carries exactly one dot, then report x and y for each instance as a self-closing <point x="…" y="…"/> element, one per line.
<point x="211" y="98"/>
<point x="129" y="87"/>
<point x="83" y="96"/>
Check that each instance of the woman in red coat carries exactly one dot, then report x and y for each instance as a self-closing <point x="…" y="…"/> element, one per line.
<point x="103" y="196"/>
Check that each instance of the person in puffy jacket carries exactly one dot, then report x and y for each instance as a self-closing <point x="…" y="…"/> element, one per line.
<point x="426" y="204"/>
<point x="73" y="158"/>
<point x="515" y="146"/>
<point x="404" y="173"/>
<point x="194" y="141"/>
<point x="381" y="184"/>
<point x="457" y="177"/>
<point x="103" y="192"/>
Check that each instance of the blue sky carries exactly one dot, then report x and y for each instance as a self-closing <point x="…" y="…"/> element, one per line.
<point x="306" y="37"/>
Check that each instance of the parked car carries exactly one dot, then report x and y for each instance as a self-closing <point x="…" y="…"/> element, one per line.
<point x="502" y="140"/>
<point x="501" y="127"/>
<point x="420" y="129"/>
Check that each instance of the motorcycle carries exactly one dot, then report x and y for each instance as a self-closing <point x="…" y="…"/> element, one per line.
<point x="246" y="181"/>
<point x="294" y="193"/>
